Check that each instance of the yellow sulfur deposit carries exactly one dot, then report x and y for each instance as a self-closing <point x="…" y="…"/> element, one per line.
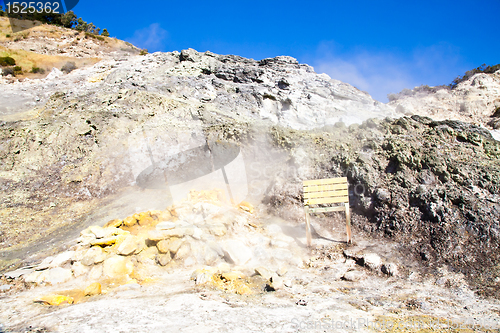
<point x="54" y="300"/>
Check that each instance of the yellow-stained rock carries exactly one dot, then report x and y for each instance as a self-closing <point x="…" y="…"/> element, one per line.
<point x="93" y="289"/>
<point x="54" y="300"/>
<point x="148" y="254"/>
<point x="234" y="275"/>
<point x="117" y="267"/>
<point x="164" y="216"/>
<point x="114" y="223"/>
<point x="169" y="245"/>
<point x="246" y="206"/>
<point x="129" y="221"/>
<point x="147" y="221"/>
<point x="128" y="246"/>
<point x="163" y="259"/>
<point x="163" y="246"/>
<point x="105" y="241"/>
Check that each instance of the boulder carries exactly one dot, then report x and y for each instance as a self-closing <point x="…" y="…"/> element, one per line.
<point x="95" y="273"/>
<point x="163" y="258"/>
<point x="55" y="275"/>
<point x="264" y="272"/>
<point x="236" y="252"/>
<point x="130" y="245"/>
<point x="167" y="225"/>
<point x="62" y="258"/>
<point x="390" y="269"/>
<point x="129" y="221"/>
<point x="79" y="269"/>
<point x="93" y="289"/>
<point x="117" y="267"/>
<point x="114" y="223"/>
<point x="353" y="276"/>
<point x="372" y="261"/>
<point x="93" y="256"/>
<point x="97" y="231"/>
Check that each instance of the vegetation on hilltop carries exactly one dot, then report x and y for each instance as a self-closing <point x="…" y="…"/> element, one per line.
<point x="427" y="89"/>
<point x="67" y="20"/>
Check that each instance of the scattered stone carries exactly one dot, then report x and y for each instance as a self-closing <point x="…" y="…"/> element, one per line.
<point x="117" y="267"/>
<point x="264" y="272"/>
<point x="95" y="273"/>
<point x="158" y="235"/>
<point x="372" y="261"/>
<point x="32" y="277"/>
<point x="93" y="289"/>
<point x="197" y="233"/>
<point x="353" y="276"/>
<point x="282" y="271"/>
<point x="166" y="225"/>
<point x="276" y="282"/>
<point x="129" y="221"/>
<point x="97" y="231"/>
<point x="79" y="269"/>
<point x="301" y="302"/>
<point x="234" y="275"/>
<point x="217" y="230"/>
<point x="54" y="300"/>
<point x="5" y="287"/>
<point x="246" y="206"/>
<point x="45" y="264"/>
<point x="108" y="241"/>
<point x="94" y="255"/>
<point x="390" y="269"/>
<point x="288" y="283"/>
<point x="184" y="251"/>
<point x="163" y="259"/>
<point x="55" y="275"/>
<point x="163" y="246"/>
<point x="19" y="272"/>
<point x="128" y="246"/>
<point x="236" y="252"/>
<point x="62" y="259"/>
<point x="114" y="223"/>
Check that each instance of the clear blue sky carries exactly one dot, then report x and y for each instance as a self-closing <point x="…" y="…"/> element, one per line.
<point x="378" y="46"/>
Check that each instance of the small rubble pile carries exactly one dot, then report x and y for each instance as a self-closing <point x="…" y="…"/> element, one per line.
<point x="201" y="231"/>
<point x="129" y="250"/>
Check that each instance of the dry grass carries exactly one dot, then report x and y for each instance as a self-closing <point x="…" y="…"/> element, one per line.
<point x="27" y="60"/>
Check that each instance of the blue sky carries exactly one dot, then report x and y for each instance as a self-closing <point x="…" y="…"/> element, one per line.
<point x="379" y="47"/>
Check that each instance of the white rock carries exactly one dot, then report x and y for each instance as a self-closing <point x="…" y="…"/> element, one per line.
<point x="95" y="273"/>
<point x="79" y="269"/>
<point x="354" y="276"/>
<point x="32" y="277"/>
<point x="62" y="258"/>
<point x="55" y="275"/>
<point x="390" y="269"/>
<point x="165" y="225"/>
<point x="372" y="261"/>
<point x="237" y="252"/>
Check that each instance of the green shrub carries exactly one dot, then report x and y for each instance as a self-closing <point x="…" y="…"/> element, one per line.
<point x="143" y="52"/>
<point x="481" y="69"/>
<point x="7" y="61"/>
<point x="8" y="35"/>
<point x="68" y="67"/>
<point x="18" y="70"/>
<point x="37" y="70"/>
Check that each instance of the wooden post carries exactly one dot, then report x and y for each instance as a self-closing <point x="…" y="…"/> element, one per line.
<point x="308" y="226"/>
<point x="348" y="223"/>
